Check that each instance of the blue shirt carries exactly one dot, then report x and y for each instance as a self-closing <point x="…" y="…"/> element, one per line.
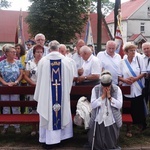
<point x="10" y="71"/>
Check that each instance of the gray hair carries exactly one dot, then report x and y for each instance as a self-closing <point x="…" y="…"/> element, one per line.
<point x="146" y="44"/>
<point x="7" y="47"/>
<point x="129" y="45"/>
<point x="54" y="45"/>
<point x="39" y="34"/>
<point x="85" y="48"/>
<point x="111" y="42"/>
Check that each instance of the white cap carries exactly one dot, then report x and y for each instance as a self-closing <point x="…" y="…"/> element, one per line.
<point x="106" y="78"/>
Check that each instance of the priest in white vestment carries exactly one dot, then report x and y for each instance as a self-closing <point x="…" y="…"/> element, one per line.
<point x="49" y="89"/>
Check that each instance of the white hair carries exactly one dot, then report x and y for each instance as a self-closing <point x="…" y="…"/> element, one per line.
<point x="39" y="34"/>
<point x="54" y="45"/>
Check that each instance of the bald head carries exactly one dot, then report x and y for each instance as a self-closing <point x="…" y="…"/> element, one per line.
<point x="63" y="49"/>
<point x="146" y="48"/>
<point x="85" y="52"/>
<point x="111" y="47"/>
<point x="79" y="44"/>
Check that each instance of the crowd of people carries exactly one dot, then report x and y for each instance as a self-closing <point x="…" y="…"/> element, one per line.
<point x="54" y="71"/>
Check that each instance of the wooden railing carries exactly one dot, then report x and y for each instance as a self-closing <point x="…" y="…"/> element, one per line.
<point x="76" y="93"/>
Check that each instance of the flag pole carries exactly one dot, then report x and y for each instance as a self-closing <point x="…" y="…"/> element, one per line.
<point x="117" y="7"/>
<point x="88" y="34"/>
<point x="118" y="35"/>
<point x="99" y="24"/>
<point x="19" y="37"/>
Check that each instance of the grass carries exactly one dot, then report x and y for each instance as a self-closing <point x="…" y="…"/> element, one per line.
<point x="79" y="139"/>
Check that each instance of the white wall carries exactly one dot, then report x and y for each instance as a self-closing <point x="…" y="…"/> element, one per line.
<point x="142" y="12"/>
<point x="134" y="28"/>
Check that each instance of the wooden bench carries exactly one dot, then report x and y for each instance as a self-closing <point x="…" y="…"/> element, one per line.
<point x="76" y="93"/>
<point x="126" y="118"/>
<point x="18" y="118"/>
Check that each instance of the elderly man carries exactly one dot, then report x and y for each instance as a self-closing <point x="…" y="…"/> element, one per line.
<point x="110" y="60"/>
<point x="76" y="56"/>
<point x="91" y="69"/>
<point x="39" y="39"/>
<point x="63" y="51"/>
<point x="54" y="82"/>
<point x="146" y="57"/>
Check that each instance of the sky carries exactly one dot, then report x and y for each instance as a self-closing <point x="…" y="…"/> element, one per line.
<point x="19" y="4"/>
<point x="24" y="4"/>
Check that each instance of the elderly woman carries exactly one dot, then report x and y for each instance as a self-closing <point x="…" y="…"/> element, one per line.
<point x="31" y="66"/>
<point x="106" y="102"/>
<point x="31" y="75"/>
<point x="10" y="75"/>
<point x="133" y="70"/>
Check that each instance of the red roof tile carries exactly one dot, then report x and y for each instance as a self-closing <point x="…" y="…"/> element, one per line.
<point x="9" y="19"/>
<point x="134" y="36"/>
<point x="8" y="24"/>
<point x="127" y="9"/>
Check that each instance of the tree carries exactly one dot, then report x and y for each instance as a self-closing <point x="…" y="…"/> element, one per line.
<point x="106" y="5"/>
<point x="57" y="19"/>
<point x="4" y="3"/>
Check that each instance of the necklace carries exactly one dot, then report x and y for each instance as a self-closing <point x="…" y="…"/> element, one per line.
<point x="106" y="104"/>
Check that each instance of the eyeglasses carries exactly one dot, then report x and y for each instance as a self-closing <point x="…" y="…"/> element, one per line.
<point x="131" y="50"/>
<point x="39" y="52"/>
<point x="13" y="52"/>
<point x="17" y="48"/>
<point x="40" y="40"/>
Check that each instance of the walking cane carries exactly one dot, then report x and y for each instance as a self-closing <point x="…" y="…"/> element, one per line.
<point x="94" y="131"/>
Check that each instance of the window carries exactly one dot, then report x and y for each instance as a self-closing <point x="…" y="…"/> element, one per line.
<point x="148" y="11"/>
<point x="142" y="27"/>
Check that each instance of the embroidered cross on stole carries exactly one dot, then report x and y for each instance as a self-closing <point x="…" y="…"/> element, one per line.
<point x="56" y="87"/>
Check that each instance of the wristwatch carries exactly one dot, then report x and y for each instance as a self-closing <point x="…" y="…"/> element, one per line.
<point x="85" y="78"/>
<point x="109" y="98"/>
<point x="16" y="82"/>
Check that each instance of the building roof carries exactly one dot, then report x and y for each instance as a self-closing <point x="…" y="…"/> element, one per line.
<point x="106" y="35"/>
<point x="137" y="38"/>
<point x="9" y="19"/>
<point x="8" y="24"/>
<point x="127" y="9"/>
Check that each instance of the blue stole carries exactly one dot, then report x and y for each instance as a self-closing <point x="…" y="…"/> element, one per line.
<point x="56" y="88"/>
<point x="133" y="73"/>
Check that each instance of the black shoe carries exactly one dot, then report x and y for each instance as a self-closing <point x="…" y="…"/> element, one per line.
<point x="86" y="146"/>
<point x="46" y="146"/>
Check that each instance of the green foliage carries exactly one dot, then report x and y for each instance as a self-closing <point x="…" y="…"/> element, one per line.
<point x="4" y="3"/>
<point x="106" y="6"/>
<point x="57" y="20"/>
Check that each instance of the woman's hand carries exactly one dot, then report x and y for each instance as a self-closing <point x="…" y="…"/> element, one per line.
<point x="128" y="81"/>
<point x="108" y="92"/>
<point x="104" y="93"/>
<point x="133" y="79"/>
<point x="10" y="83"/>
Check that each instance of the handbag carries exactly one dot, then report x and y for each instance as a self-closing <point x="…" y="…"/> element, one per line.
<point x="78" y="120"/>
